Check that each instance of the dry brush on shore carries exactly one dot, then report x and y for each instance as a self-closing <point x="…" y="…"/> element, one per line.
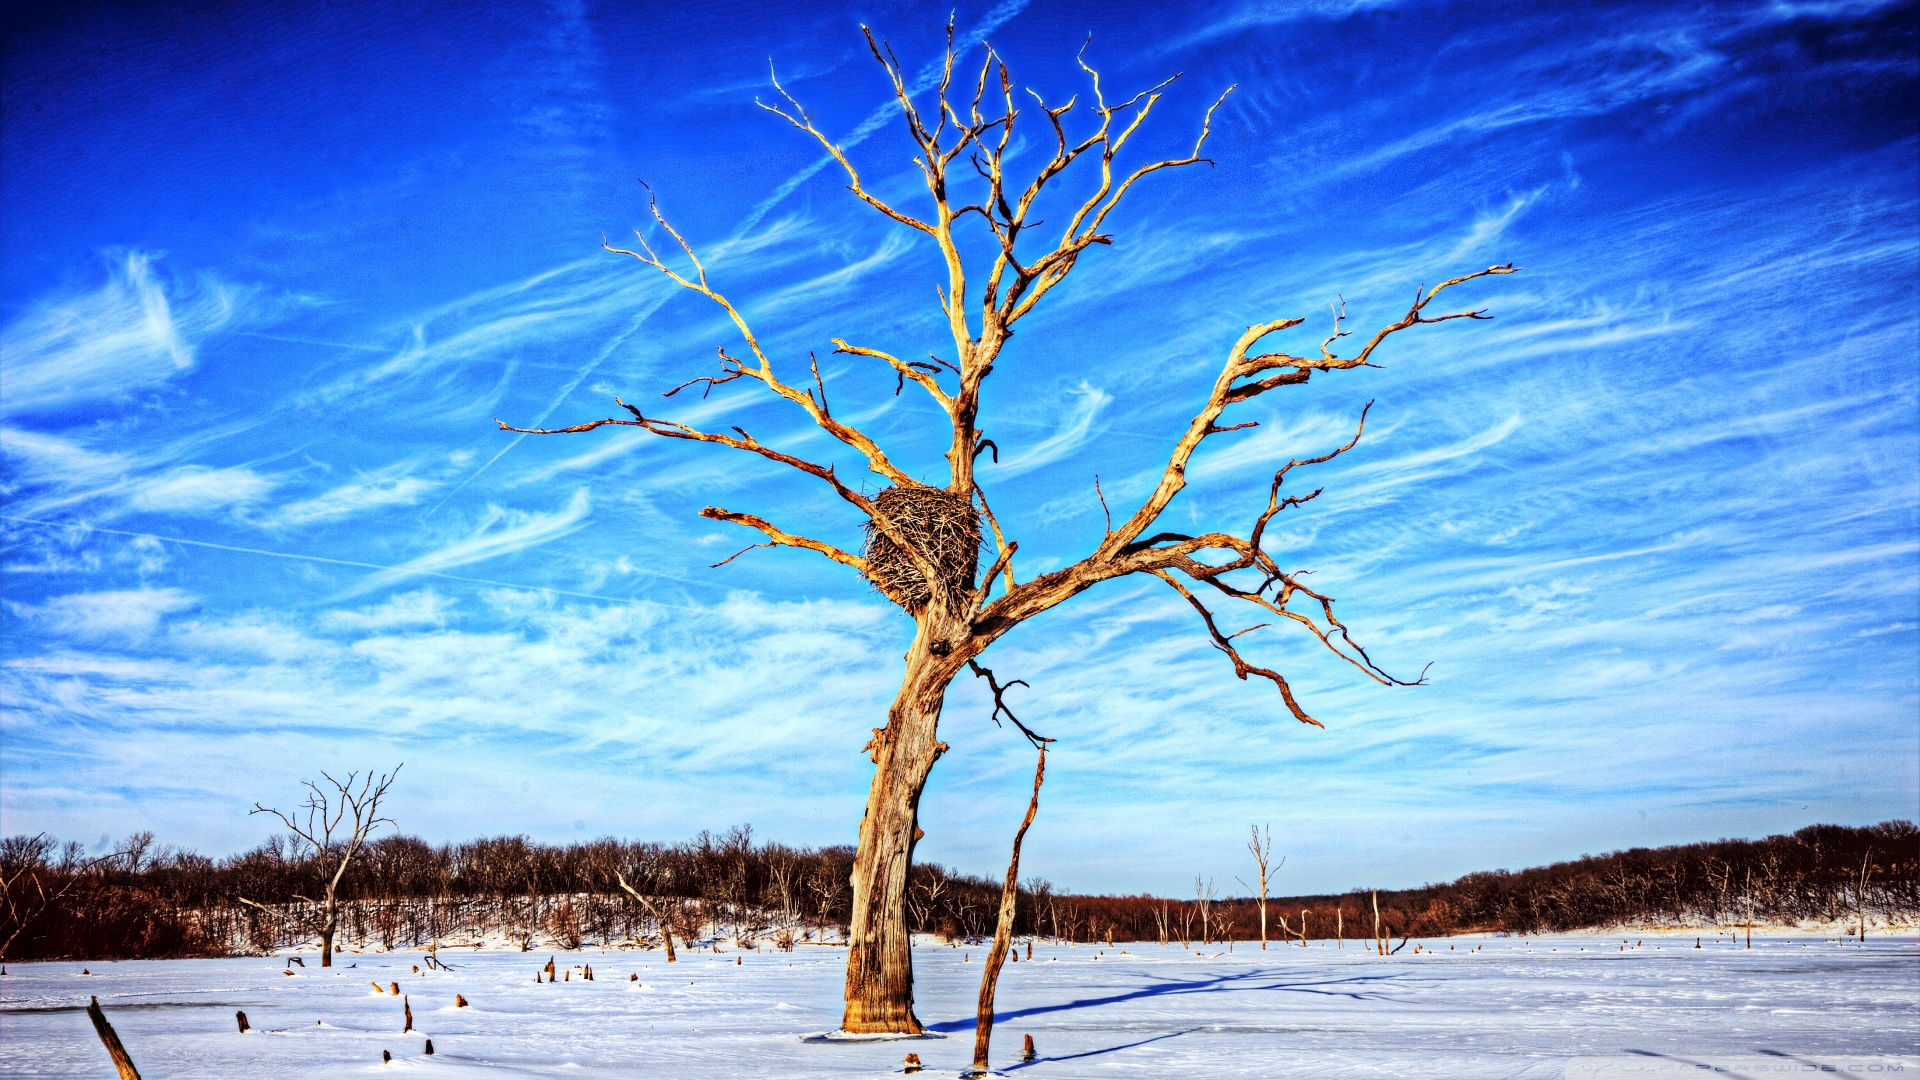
<point x="729" y="891"/>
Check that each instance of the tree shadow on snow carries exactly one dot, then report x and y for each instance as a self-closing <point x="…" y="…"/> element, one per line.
<point x="1355" y="987"/>
<point x="1719" y="1068"/>
<point x="1102" y="1050"/>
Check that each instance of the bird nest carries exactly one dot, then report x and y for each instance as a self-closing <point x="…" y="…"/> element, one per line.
<point x="941" y="525"/>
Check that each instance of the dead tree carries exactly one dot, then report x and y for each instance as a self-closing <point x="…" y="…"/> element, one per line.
<point x="1262" y="848"/>
<point x="335" y="824"/>
<point x="1003" y="930"/>
<point x="660" y="918"/>
<point x="921" y="540"/>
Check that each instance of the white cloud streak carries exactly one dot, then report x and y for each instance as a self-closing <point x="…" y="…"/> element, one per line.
<point x="500" y="532"/>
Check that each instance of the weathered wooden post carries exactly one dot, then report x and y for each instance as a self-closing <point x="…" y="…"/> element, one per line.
<point x="112" y="1042"/>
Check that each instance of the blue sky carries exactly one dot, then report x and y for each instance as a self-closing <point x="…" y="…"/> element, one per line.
<point x="270" y="271"/>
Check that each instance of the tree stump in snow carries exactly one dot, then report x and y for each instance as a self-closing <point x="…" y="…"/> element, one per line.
<point x="242" y="1018"/>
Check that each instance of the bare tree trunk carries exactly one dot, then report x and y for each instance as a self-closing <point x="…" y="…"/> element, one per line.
<point x="1003" y="933"/>
<point x="879" y="991"/>
<point x="329" y="929"/>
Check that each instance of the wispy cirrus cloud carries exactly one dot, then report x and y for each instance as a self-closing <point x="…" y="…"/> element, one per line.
<point x="1074" y="428"/>
<point x="118" y="614"/>
<point x="198" y="488"/>
<point x="397" y="487"/>
<point x="499" y="532"/>
<point x="136" y="331"/>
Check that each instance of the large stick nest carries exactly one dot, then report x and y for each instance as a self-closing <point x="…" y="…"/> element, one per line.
<point x="941" y="525"/>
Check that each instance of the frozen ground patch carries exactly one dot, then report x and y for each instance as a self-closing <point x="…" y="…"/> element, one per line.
<point x="1512" y="1009"/>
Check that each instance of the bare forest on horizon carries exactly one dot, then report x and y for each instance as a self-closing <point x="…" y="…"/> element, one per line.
<point x="730" y="891"/>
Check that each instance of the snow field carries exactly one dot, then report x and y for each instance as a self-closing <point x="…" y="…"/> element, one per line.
<point x="1487" y="1007"/>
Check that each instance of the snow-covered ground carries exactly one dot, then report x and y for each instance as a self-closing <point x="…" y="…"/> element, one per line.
<point x="1570" y="1005"/>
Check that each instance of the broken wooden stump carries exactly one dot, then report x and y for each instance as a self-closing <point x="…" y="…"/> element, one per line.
<point x="112" y="1042"/>
<point x="408" y="1006"/>
<point x="429" y="1048"/>
<point x="912" y="1064"/>
<point x="1026" y="1049"/>
<point x="241" y="1016"/>
<point x="459" y="1002"/>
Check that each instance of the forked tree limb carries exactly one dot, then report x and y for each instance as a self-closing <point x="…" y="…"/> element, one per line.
<point x="877" y="459"/>
<point x="780" y="537"/>
<point x="1224" y="642"/>
<point x="1000" y="702"/>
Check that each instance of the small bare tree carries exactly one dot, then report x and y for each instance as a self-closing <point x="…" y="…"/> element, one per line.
<point x="1262" y="848"/>
<point x="1203" y="900"/>
<point x="924" y="899"/>
<point x="826" y="888"/>
<point x="334" y="822"/>
<point x="923" y="541"/>
<point x="784" y="875"/>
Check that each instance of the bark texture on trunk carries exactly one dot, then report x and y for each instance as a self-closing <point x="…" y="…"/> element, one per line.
<point x="879" y="992"/>
<point x="326" y="947"/>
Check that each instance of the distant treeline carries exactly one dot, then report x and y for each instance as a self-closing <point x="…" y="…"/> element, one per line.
<point x="729" y="891"/>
